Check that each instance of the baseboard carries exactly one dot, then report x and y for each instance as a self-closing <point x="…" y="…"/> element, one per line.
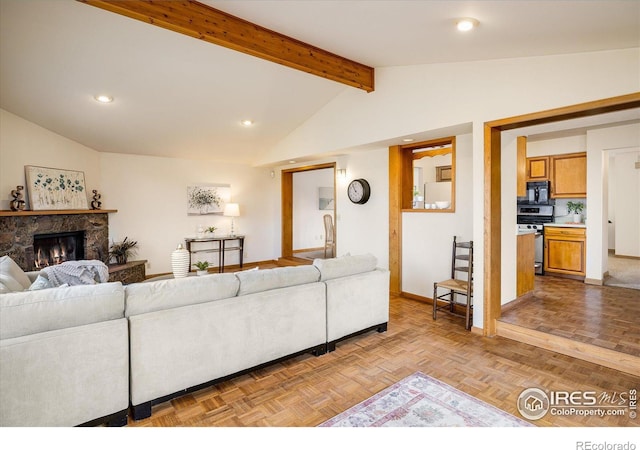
<point x="516" y="302"/>
<point x="625" y="256"/>
<point x="594" y="281"/>
<point x="586" y="352"/>
<point x="303" y="250"/>
<point x="459" y="309"/>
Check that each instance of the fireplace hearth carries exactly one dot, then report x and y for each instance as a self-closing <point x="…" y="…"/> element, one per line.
<point x="55" y="248"/>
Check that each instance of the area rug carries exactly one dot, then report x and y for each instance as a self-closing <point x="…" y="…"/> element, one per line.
<point x="422" y="401"/>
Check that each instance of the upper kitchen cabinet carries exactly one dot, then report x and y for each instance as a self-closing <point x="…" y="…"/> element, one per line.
<point x="569" y="175"/>
<point x="538" y="168"/>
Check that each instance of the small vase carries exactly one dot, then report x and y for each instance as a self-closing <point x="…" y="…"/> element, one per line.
<point x="202" y="272"/>
<point x="577" y="218"/>
<point x="180" y="262"/>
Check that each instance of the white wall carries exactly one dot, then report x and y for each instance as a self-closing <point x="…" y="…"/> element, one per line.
<point x="626" y="196"/>
<point x="557" y="145"/>
<point x="427" y="237"/>
<point x="365" y="228"/>
<point x="599" y="142"/>
<point x="359" y="228"/>
<point x="150" y="194"/>
<point x="308" y="222"/>
<point x="25" y="143"/>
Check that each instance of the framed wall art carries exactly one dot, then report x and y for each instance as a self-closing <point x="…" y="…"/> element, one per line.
<point x="325" y="198"/>
<point x="55" y="189"/>
<point x="207" y="198"/>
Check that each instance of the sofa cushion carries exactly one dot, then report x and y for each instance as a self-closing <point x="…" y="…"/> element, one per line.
<point x="253" y="281"/>
<point x="31" y="312"/>
<point x="345" y="266"/>
<point x="165" y="294"/>
<point x="12" y="277"/>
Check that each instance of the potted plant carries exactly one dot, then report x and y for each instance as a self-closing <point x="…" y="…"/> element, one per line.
<point x="576" y="208"/>
<point x="121" y="251"/>
<point x="202" y="267"/>
<point x="210" y="230"/>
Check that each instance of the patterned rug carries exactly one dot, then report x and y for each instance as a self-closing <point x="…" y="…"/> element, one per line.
<point x="422" y="401"/>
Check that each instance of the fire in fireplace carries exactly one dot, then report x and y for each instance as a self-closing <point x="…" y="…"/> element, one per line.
<point x="56" y="248"/>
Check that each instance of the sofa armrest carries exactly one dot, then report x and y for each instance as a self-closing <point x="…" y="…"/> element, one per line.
<point x="33" y="275"/>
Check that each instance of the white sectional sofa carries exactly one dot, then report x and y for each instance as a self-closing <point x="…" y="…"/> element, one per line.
<point x="145" y="343"/>
<point x="64" y="355"/>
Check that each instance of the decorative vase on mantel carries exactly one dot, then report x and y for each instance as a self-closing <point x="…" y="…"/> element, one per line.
<point x="180" y="262"/>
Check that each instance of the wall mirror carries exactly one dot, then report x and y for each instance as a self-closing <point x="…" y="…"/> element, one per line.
<point x="433" y="168"/>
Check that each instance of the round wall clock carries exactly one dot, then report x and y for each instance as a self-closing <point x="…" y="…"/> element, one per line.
<point x="359" y="191"/>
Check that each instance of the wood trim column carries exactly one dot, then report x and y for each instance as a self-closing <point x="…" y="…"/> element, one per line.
<point x="492" y="229"/>
<point x="396" y="155"/>
<point x="287" y="214"/>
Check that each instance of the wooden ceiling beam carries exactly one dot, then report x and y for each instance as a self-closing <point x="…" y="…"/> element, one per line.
<point x="203" y="22"/>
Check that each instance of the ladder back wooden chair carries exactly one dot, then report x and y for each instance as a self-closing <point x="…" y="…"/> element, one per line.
<point x="329" y="236"/>
<point x="460" y="283"/>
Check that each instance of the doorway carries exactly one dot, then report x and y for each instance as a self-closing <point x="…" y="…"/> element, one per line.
<point x="492" y="187"/>
<point x="623" y="262"/>
<point x="307" y="195"/>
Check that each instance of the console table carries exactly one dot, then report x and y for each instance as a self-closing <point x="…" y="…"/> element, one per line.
<point x="219" y="245"/>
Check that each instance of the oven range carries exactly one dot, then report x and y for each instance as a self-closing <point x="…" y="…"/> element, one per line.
<point x="533" y="217"/>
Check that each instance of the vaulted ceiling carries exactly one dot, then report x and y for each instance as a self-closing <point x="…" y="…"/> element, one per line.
<point x="177" y="96"/>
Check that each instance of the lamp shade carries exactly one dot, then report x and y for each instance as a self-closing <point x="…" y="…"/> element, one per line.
<point x="231" y="210"/>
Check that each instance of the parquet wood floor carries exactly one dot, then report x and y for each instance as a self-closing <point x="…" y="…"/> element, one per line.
<point x="307" y="390"/>
<point x="603" y="316"/>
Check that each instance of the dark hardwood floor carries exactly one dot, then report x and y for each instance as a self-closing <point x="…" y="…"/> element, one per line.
<point x="603" y="316"/>
<point x="307" y="390"/>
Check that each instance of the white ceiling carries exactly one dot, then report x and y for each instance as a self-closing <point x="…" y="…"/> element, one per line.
<point x="181" y="97"/>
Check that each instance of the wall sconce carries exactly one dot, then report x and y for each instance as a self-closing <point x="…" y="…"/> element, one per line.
<point x="342" y="174"/>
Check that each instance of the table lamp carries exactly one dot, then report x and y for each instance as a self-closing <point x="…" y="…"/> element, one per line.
<point x="231" y="210"/>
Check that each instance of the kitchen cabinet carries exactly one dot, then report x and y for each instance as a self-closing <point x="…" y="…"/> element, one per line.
<point x="565" y="251"/>
<point x="521" y="161"/>
<point x="569" y="175"/>
<point x="525" y="270"/>
<point x="538" y="168"/>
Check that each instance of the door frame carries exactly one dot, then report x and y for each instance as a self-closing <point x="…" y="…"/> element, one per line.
<point x="287" y="203"/>
<point x="492" y="186"/>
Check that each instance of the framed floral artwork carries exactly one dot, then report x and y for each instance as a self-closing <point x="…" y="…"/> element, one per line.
<point x="207" y="198"/>
<point x="55" y="189"/>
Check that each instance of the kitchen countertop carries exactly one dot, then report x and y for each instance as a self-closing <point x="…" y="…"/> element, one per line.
<point x="566" y="225"/>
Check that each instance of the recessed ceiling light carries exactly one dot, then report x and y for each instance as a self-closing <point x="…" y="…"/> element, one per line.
<point x="247" y="122"/>
<point x="407" y="140"/>
<point x="466" y="24"/>
<point x="292" y="161"/>
<point x="103" y="98"/>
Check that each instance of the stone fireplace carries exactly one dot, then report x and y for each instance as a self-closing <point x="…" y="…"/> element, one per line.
<point x="19" y="230"/>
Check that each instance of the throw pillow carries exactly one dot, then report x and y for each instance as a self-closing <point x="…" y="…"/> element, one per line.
<point x="40" y="283"/>
<point x="12" y="277"/>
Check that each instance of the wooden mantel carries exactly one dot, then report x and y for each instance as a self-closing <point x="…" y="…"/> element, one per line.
<point x="52" y="212"/>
